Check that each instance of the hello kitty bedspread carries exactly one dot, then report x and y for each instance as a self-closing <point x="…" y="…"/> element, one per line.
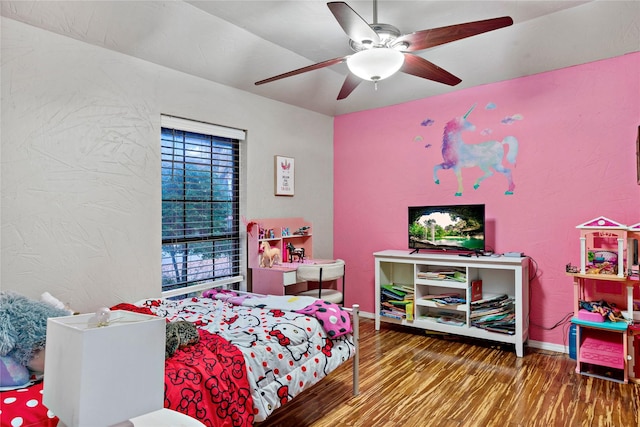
<point x="285" y="352"/>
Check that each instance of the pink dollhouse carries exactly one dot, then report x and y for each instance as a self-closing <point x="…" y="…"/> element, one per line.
<point x="608" y="254"/>
<point x="603" y="247"/>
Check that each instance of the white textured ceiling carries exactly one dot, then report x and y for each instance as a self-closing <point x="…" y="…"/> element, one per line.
<point x="237" y="43"/>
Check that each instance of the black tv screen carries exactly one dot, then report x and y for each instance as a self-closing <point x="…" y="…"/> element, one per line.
<point x="447" y="228"/>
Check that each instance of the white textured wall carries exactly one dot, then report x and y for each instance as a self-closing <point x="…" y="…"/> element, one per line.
<point x="80" y="165"/>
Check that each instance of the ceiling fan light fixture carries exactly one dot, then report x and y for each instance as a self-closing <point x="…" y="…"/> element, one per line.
<point x="375" y="64"/>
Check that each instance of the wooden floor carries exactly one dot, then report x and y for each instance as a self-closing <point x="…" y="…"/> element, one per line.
<point x="410" y="379"/>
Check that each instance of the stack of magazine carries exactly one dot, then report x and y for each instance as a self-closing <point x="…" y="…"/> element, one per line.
<point x="455" y="275"/>
<point x="396" y="301"/>
<point x="445" y="300"/>
<point x="450" y="302"/>
<point x="495" y="314"/>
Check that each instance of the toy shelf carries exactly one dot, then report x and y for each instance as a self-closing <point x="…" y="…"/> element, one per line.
<point x="278" y="232"/>
<point x="608" y="271"/>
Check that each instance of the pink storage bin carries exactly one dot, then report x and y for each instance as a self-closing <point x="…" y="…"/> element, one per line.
<point x="602" y="348"/>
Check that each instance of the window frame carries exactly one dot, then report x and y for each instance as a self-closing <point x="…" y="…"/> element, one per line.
<point x="218" y="136"/>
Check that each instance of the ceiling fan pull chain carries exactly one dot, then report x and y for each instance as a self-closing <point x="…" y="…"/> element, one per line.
<point x="375" y="85"/>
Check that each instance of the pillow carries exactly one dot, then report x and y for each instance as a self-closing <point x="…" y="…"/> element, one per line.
<point x="12" y="373"/>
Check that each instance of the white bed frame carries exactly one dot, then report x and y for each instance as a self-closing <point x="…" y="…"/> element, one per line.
<point x="355" y="321"/>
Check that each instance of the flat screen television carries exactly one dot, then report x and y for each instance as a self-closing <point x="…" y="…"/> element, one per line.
<point x="447" y="228"/>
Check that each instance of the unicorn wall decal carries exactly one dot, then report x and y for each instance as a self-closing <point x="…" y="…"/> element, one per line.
<point x="486" y="155"/>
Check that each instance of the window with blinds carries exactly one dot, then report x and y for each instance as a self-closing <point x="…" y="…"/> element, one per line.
<point x="200" y="203"/>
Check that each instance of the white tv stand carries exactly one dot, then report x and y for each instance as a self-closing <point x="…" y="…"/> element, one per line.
<point x="499" y="275"/>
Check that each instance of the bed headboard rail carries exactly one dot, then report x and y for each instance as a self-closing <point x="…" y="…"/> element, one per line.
<point x="203" y="286"/>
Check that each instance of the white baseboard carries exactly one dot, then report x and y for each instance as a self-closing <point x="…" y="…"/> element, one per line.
<point x="558" y="348"/>
<point x="367" y="315"/>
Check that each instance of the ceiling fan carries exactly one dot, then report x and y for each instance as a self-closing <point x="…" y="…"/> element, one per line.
<point x="381" y="50"/>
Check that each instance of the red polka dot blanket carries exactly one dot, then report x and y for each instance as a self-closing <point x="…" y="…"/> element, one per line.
<point x="284" y="351"/>
<point x="23" y="408"/>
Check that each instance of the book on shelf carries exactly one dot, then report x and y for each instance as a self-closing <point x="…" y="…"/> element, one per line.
<point x="448" y="294"/>
<point x="458" y="276"/>
<point x="391" y="315"/>
<point x="502" y="330"/>
<point x="500" y="305"/>
<point x="435" y="275"/>
<point x="476" y="290"/>
<point x="396" y="301"/>
<point x="409" y="310"/>
<point x="449" y="300"/>
<point x="484" y="313"/>
<point x="493" y="318"/>
<point x="445" y="318"/>
<point x="506" y="326"/>
<point x="400" y="303"/>
<point x="398" y="314"/>
<point x="403" y="288"/>
<point x="448" y="320"/>
<point x="391" y="291"/>
<point x="506" y="306"/>
<point x="389" y="306"/>
<point x="494" y="314"/>
<point x="490" y="300"/>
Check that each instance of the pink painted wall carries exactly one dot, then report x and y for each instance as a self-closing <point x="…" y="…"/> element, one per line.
<point x="577" y="130"/>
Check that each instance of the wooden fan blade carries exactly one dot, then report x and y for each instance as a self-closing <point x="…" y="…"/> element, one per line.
<point x="317" y="66"/>
<point x="420" y="67"/>
<point x="436" y="36"/>
<point x="356" y="28"/>
<point x="350" y="83"/>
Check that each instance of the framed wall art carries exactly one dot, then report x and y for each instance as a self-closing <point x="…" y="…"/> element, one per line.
<point x="284" y="176"/>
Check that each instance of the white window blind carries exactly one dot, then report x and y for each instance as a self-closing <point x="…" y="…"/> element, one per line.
<point x="200" y="203"/>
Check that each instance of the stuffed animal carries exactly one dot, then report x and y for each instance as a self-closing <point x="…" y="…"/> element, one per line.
<point x="179" y="335"/>
<point x="23" y="326"/>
